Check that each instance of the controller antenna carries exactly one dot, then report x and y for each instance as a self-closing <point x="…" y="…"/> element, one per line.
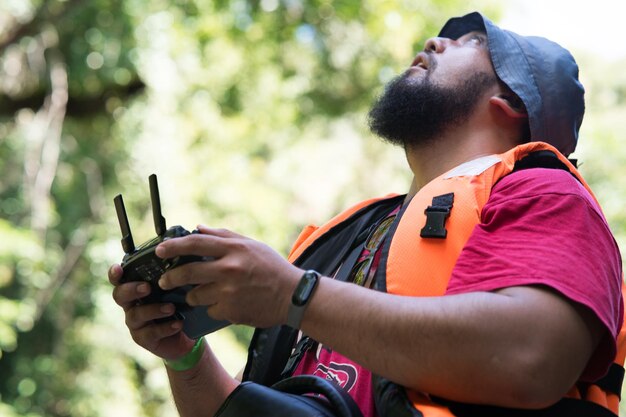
<point x="127" y="237"/>
<point x="159" y="220"/>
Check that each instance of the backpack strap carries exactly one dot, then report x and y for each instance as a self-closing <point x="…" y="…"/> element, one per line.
<point x="543" y="159"/>
<point x="540" y="159"/>
<point x="270" y="349"/>
<point x="267" y="354"/>
<point x="566" y="407"/>
<point x="612" y="381"/>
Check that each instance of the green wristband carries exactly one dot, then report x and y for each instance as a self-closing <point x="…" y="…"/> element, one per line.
<point x="189" y="360"/>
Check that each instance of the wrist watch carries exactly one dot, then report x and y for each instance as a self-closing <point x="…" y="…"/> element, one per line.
<point x="301" y="297"/>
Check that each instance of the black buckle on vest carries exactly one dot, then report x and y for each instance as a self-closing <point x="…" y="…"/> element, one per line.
<point x="436" y="215"/>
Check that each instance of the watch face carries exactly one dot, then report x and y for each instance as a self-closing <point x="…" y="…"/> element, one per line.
<point x="305" y="288"/>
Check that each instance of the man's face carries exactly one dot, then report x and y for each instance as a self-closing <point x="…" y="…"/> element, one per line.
<point x="440" y="90"/>
<point x="445" y="61"/>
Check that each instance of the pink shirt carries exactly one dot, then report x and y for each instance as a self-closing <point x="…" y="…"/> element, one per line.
<point x="355" y="379"/>
<point x="539" y="227"/>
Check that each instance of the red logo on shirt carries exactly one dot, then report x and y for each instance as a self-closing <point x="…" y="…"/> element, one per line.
<point x="343" y="374"/>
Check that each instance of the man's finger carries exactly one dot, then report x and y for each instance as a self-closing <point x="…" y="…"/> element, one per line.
<point x="196" y="273"/>
<point x="202" y="295"/>
<point x="142" y="315"/>
<point x="224" y="233"/>
<point x="194" y="244"/>
<point x="150" y="336"/>
<point x="115" y="274"/>
<point x="126" y="295"/>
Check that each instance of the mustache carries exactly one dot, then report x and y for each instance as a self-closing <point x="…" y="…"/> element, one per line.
<point x="426" y="60"/>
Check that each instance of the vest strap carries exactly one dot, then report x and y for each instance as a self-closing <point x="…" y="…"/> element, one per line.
<point x="271" y="348"/>
<point x="540" y="159"/>
<point x="391" y="400"/>
<point x="566" y="407"/>
<point x="436" y="215"/>
<point x="612" y="381"/>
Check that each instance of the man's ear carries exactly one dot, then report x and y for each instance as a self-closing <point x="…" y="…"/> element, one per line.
<point x="510" y="104"/>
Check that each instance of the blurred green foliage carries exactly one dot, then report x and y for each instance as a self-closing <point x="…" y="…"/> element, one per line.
<point x="252" y="115"/>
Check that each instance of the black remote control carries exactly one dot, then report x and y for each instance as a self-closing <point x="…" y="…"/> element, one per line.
<point x="142" y="264"/>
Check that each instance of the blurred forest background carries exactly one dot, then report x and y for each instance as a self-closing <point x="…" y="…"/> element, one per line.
<point x="252" y="114"/>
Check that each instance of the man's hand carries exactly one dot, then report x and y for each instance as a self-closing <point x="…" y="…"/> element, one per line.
<point x="165" y="339"/>
<point x="199" y="391"/>
<point x="246" y="282"/>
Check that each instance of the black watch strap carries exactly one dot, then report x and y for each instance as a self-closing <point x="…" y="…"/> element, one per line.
<point x="301" y="297"/>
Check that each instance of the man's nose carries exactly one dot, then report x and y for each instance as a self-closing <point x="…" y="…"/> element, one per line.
<point x="436" y="45"/>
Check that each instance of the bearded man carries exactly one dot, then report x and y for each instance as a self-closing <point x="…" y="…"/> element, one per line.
<point x="493" y="287"/>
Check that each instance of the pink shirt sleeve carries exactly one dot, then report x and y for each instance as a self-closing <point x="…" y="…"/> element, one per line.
<point x="541" y="227"/>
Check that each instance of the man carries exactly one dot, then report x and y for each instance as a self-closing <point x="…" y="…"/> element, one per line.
<point x="498" y="286"/>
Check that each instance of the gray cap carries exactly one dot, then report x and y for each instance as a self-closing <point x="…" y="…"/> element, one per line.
<point x="542" y="73"/>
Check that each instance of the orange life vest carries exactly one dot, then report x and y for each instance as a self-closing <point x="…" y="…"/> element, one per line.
<point x="471" y="185"/>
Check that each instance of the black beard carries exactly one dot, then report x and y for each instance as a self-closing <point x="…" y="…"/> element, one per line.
<point x="413" y="112"/>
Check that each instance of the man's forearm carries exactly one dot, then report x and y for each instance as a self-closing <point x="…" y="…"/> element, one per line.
<point x="200" y="391"/>
<point x="481" y="347"/>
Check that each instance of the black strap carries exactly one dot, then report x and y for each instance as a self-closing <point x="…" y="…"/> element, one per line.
<point x="342" y="274"/>
<point x="326" y="253"/>
<point x="567" y="407"/>
<point x="298" y="353"/>
<point x="391" y="399"/>
<point x="342" y="403"/>
<point x="348" y="264"/>
<point x="436" y="215"/>
<point x="271" y="348"/>
<point x="612" y="381"/>
<point x="287" y="399"/>
<point x="540" y="159"/>
<point x="544" y="159"/>
<point x="268" y="353"/>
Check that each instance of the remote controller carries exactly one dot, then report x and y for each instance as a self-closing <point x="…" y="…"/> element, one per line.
<point x="142" y="264"/>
